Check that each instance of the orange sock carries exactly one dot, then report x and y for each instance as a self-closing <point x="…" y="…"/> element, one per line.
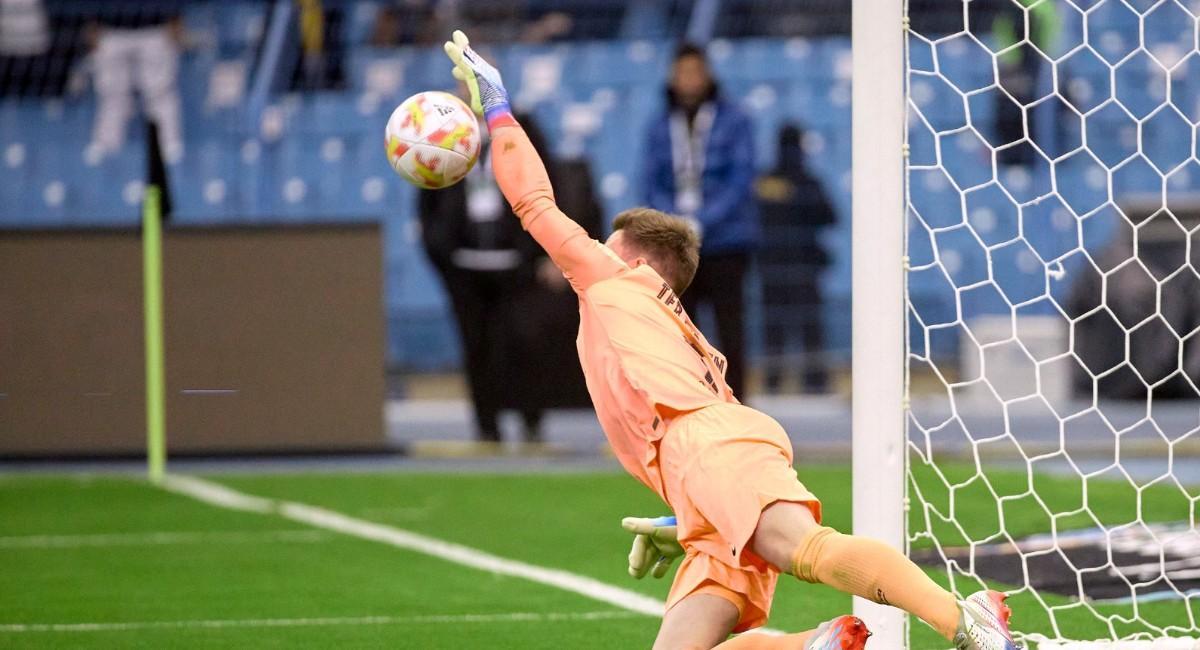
<point x="873" y="570"/>
<point x="755" y="641"/>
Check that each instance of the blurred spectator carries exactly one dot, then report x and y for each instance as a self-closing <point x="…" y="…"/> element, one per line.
<point x="548" y="313"/>
<point x="24" y="30"/>
<point x="699" y="163"/>
<point x="937" y="18"/>
<point x="794" y="211"/>
<point x="137" y="49"/>
<point x="784" y="18"/>
<point x="508" y="298"/>
<point x="24" y="37"/>
<point x="321" y="47"/>
<point x="1018" y="72"/>
<point x="1123" y="318"/>
<point x="403" y="22"/>
<point x="549" y="27"/>
<point x="312" y="44"/>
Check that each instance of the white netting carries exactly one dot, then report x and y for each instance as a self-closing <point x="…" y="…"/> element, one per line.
<point x="1053" y="297"/>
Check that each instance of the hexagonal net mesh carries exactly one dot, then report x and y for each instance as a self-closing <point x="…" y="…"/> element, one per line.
<point x="1053" y="300"/>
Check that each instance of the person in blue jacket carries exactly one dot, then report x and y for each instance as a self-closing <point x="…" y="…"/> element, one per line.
<point x="699" y="164"/>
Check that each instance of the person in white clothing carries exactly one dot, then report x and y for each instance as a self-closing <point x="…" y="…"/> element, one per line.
<point x="137" y="51"/>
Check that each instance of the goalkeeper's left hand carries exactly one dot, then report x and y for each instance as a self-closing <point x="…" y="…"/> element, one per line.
<point x="488" y="96"/>
<point x="654" y="545"/>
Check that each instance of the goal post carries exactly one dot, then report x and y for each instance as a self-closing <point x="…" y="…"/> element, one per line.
<point x="877" y="224"/>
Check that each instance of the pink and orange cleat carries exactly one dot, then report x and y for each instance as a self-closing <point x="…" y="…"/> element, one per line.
<point x="842" y="633"/>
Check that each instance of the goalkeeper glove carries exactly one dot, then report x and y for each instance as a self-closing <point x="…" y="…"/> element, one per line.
<point x="654" y="545"/>
<point x="488" y="96"/>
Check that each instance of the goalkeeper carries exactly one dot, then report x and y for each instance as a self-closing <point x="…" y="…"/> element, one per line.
<point x="725" y="469"/>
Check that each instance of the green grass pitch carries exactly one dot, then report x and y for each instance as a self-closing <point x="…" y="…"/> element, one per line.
<point x="111" y="549"/>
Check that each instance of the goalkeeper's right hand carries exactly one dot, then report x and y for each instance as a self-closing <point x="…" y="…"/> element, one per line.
<point x="488" y="96"/>
<point x="654" y="545"/>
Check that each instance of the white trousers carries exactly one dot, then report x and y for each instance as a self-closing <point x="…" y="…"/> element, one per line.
<point x="145" y="59"/>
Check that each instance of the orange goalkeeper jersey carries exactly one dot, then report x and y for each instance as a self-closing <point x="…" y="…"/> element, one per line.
<point x="643" y="360"/>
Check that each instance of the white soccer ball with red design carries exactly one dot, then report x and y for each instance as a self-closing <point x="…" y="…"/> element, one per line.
<point x="432" y="139"/>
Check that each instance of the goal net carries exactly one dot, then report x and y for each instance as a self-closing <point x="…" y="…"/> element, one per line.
<point x="1053" y="313"/>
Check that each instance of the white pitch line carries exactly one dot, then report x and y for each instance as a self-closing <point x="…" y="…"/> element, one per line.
<point x="467" y="556"/>
<point x="158" y="538"/>
<point x="518" y="617"/>
<point x="220" y="495"/>
<point x="216" y="494"/>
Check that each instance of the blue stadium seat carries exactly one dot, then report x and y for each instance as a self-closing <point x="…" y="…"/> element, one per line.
<point x="750" y="60"/>
<point x="240" y="24"/>
<point x="11" y="121"/>
<point x="207" y="184"/>
<point x="362" y="59"/>
<point x="359" y="22"/>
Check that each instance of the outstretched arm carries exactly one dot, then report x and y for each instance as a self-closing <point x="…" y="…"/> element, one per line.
<point x="523" y="180"/>
<point x="522" y="176"/>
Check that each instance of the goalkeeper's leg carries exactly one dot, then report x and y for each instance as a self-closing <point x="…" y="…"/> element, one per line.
<point x="698" y="622"/>
<point x="703" y="621"/>
<point x="790" y="538"/>
<point x="757" y="641"/>
<point x="846" y="632"/>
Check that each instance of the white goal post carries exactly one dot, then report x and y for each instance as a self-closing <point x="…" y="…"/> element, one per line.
<point x="1026" y="310"/>
<point x="877" y="303"/>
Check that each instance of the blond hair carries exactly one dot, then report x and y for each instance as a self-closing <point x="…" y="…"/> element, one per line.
<point x="670" y="244"/>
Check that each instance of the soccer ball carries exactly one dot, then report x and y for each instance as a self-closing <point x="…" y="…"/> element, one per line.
<point x="432" y="139"/>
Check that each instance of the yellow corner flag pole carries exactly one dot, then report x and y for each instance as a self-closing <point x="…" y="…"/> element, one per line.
<point x="156" y="410"/>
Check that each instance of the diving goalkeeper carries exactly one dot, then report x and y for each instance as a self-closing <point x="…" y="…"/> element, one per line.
<point x="724" y="469"/>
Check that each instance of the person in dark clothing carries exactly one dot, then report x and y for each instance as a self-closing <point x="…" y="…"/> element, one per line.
<point x="699" y="164"/>
<point x="320" y="46"/>
<point x="794" y="211"/>
<point x="510" y="310"/>
<point x="543" y="338"/>
<point x="1018" y="72"/>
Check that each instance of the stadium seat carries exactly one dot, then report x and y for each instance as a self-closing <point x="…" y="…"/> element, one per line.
<point x="359" y="22"/>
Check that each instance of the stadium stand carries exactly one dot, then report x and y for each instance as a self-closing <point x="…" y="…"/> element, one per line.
<point x="317" y="155"/>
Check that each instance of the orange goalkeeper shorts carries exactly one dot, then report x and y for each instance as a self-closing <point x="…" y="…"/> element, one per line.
<point x="721" y="466"/>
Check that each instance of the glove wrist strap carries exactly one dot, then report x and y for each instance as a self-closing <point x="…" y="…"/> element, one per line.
<point x="498" y="116"/>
